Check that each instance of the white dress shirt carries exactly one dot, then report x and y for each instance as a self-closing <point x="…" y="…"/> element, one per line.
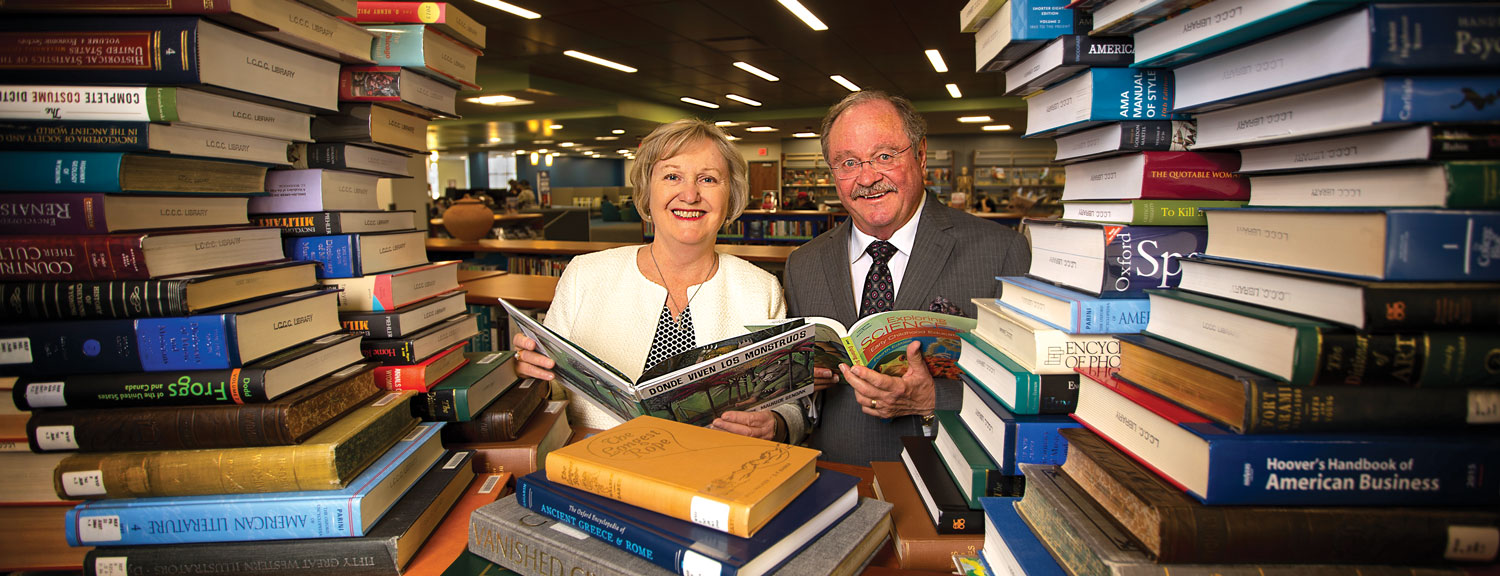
<point x="860" y="261"/>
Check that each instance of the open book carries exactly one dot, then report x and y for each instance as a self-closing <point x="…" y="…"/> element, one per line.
<point x="754" y="371"/>
<point x="879" y="341"/>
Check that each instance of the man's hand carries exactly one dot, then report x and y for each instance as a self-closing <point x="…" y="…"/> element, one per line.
<point x="885" y="396"/>
<point x="760" y="424"/>
<point x="824" y="378"/>
<point x="529" y="362"/>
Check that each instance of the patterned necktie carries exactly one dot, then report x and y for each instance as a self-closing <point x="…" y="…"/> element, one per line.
<point x="880" y="289"/>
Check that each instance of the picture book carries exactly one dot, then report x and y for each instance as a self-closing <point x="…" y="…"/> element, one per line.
<point x="879" y="341"/>
<point x="754" y="371"/>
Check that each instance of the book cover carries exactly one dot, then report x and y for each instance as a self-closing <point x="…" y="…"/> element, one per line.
<point x="1037" y="346"/>
<point x="683" y="547"/>
<point x="422" y="344"/>
<point x="356" y="255"/>
<point x="117" y="136"/>
<point x="1127" y="136"/>
<point x="504" y="419"/>
<point x="392" y="290"/>
<point x="348" y="512"/>
<point x="1158" y="175"/>
<point x="419" y="47"/>
<point x="384" y="551"/>
<point x="372" y="124"/>
<point x="316" y="190"/>
<point x="879" y="341"/>
<point x="1207" y="29"/>
<point x="459" y="397"/>
<point x="1102" y="95"/>
<point x="398" y="87"/>
<point x="917" y="542"/>
<point x="24" y="547"/>
<point x="1064" y="56"/>
<point x="1111" y="261"/>
<point x="92" y="103"/>
<point x="1021" y="390"/>
<point x="1011" y="438"/>
<point x="970" y="467"/>
<point x="352" y="157"/>
<point x="717" y="479"/>
<point x="1178" y="529"/>
<point x="945" y="504"/>
<point x="547" y="431"/>
<point x="421" y="376"/>
<point x="339" y="222"/>
<point x="1010" y="543"/>
<point x="754" y="371"/>
<point x="175" y="296"/>
<point x="1360" y="304"/>
<point x="1072" y="311"/>
<point x="1472" y="185"/>
<point x="1144" y="212"/>
<point x="256" y="383"/>
<point x="326" y="461"/>
<point x="1438" y="143"/>
<point x="450" y="540"/>
<point x="93" y="213"/>
<point x="1019" y="28"/>
<point x="407" y="320"/>
<point x="165" y="50"/>
<point x="134" y="256"/>
<point x="440" y="15"/>
<point x="1126" y="17"/>
<point x="125" y="172"/>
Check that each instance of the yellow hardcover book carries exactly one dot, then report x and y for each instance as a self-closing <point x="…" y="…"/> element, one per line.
<point x="710" y="477"/>
<point x="326" y="461"/>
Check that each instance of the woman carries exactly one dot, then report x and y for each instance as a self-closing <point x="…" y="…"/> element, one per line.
<point x="688" y="180"/>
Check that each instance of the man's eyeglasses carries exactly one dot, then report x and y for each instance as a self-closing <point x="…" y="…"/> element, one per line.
<point x="883" y="161"/>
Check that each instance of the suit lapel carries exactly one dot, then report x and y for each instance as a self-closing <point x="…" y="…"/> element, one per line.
<point x="841" y="285"/>
<point x="930" y="253"/>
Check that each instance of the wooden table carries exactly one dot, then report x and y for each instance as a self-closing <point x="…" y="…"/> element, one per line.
<point x="467" y="275"/>
<point x="521" y="290"/>
<point x="751" y="253"/>
<point x="501" y="219"/>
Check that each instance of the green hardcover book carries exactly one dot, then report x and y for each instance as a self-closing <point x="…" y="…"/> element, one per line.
<point x="971" y="468"/>
<point x="469" y="390"/>
<point x="1146" y="212"/>
<point x="1306" y="352"/>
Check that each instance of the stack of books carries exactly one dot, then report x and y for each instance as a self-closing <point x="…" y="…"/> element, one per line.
<point x="1314" y="393"/>
<point x="654" y="496"/>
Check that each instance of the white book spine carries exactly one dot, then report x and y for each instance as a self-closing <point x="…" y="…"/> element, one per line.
<point x="1089" y="142"/>
<point x="986" y="427"/>
<point x="1406" y="187"/>
<point x="1118" y="178"/>
<point x="1339" y="45"/>
<point x="1205" y="22"/>
<point x="1330" y="300"/>
<point x="989" y="374"/>
<point x="41" y="102"/>
<point x="1063" y="104"/>
<point x="1329" y="110"/>
<point x="1406" y="145"/>
<point x="1034" y="66"/>
<point x="235" y="60"/>
<point x="1081" y="271"/>
<point x="1098" y="212"/>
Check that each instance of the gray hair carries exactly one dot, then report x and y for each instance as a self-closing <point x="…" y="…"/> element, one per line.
<point x="669" y="140"/>
<point x="913" y="123"/>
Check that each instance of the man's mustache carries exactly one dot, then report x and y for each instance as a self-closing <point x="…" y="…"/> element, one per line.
<point x="875" y="189"/>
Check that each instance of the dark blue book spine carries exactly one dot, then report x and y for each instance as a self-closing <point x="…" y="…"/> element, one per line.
<point x="618" y="531"/>
<point x="337" y="256"/>
<point x="1132" y="94"/>
<point x="1350" y="470"/>
<point x="82" y="136"/>
<point x="1424" y="36"/>
<point x="59" y="348"/>
<point x="1103" y="51"/>
<point x="154" y="50"/>
<point x="60" y="171"/>
<point x="1029" y="439"/>
<point x="1442" y="245"/>
<point x="1141" y="257"/>
<point x="205" y="342"/>
<point x="1442" y="99"/>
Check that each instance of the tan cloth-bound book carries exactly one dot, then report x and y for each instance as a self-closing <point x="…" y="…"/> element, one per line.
<point x="721" y="480"/>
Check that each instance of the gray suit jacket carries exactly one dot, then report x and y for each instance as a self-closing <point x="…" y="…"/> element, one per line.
<point x="956" y="256"/>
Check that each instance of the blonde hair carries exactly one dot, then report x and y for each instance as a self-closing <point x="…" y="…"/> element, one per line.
<point x="669" y="140"/>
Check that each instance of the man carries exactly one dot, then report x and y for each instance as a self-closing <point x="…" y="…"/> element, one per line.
<point x="927" y="255"/>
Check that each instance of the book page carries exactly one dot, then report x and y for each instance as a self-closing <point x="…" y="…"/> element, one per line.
<point x="772" y="371"/>
<point x="882" y="339"/>
<point x="829" y="342"/>
<point x="578" y="370"/>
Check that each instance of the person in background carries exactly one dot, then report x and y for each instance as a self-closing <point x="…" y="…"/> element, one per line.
<point x="688" y="181"/>
<point x="899" y="249"/>
<point x="525" y="197"/>
<point x="608" y="211"/>
<point x="803" y="202"/>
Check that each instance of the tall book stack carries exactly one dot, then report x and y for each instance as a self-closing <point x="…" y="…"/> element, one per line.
<point x="185" y="382"/>
<point x="654" y="496"/>
<point x="1317" y="395"/>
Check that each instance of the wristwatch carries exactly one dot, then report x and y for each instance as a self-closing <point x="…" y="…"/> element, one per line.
<point x="928" y="419"/>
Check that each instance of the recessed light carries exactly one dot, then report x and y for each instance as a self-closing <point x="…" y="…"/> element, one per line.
<point x="767" y="76"/>
<point x="953" y="91"/>
<point x="996" y="128"/>
<point x="731" y="137"/>
<point x="844" y="82"/>
<point x="805" y="135"/>
<point x="698" y="102"/>
<point x="760" y="129"/>
<point x="975" y="119"/>
<point x="727" y="123"/>
<point x="499" y="100"/>
<point x="617" y="131"/>
<point x="741" y="99"/>
<point x="622" y="151"/>
<point x="568" y="144"/>
<point x="541" y="141"/>
<point x="544" y="150"/>
<point x="606" y="138"/>
<point x="520" y="152"/>
<point x="511" y="8"/>
<point x="937" y="61"/>
<point x="494" y="140"/>
<point x="590" y="58"/>
<point x="556" y="126"/>
<point x="806" y="15"/>
<point x="534" y="158"/>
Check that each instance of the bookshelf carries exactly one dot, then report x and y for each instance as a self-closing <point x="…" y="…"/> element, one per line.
<point x="940" y="173"/>
<point x="1004" y="174"/>
<point x="806" y="172"/>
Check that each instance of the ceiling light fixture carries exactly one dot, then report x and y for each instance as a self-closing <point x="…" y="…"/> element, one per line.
<point x="806" y="15"/>
<point x="937" y="61"/>
<point x="617" y="131"/>
<point x="606" y="138"/>
<point x="805" y="135"/>
<point x="844" y="82"/>
<point x="568" y="144"/>
<point x="520" y="152"/>
<point x="556" y="126"/>
<point x="741" y="99"/>
<point x="590" y="58"/>
<point x="622" y="151"/>
<point x="953" y="91"/>
<point x="975" y="119"/>
<point x="549" y="159"/>
<point x="511" y="8"/>
<point x="731" y="137"/>
<point x="499" y="100"/>
<point x="494" y="140"/>
<point x="535" y="158"/>
<point x="760" y="129"/>
<point x="996" y="128"/>
<point x="698" y="102"/>
<point x="722" y="123"/>
<point x="767" y="76"/>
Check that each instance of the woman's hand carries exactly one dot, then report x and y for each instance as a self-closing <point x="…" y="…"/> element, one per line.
<point x="760" y="424"/>
<point x="823" y="378"/>
<point x="529" y="362"/>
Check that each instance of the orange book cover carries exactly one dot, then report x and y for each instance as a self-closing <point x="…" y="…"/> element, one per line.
<point x="451" y="537"/>
<point x="714" y="478"/>
<point x="918" y="545"/>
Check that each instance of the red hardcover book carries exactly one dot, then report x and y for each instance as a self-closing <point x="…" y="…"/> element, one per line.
<point x="440" y="15"/>
<point x="422" y="376"/>
<point x="1159" y="175"/>
<point x="398" y="87"/>
<point x="137" y="256"/>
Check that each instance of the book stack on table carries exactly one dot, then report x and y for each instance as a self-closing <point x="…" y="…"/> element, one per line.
<point x="1312" y="388"/>
<point x="654" y="496"/>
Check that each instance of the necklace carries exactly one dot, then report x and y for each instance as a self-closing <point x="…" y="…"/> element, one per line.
<point x="677" y="322"/>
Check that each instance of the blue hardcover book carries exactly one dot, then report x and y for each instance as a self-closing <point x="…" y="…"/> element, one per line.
<point x="1199" y="33"/>
<point x="226" y="338"/>
<point x="1399" y="244"/>
<point x="686" y="548"/>
<point x="1354" y="106"/>
<point x="1020" y="27"/>
<point x="1072" y="311"/>
<point x="1101" y="95"/>
<point x="356" y="255"/>
<point x="1422" y="37"/>
<point x="349" y="512"/>
<point x="1021" y="390"/>
<point x="1108" y="260"/>
<point x="424" y="49"/>
<point x="1010" y="438"/>
<point x="1013" y="544"/>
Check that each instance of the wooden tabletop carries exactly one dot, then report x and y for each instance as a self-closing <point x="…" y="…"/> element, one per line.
<point x="467" y="275"/>
<point x="521" y="290"/>
<point x="503" y="218"/>
<point x="749" y="252"/>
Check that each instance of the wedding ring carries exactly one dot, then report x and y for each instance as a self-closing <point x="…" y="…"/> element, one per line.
<point x="873" y="403"/>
